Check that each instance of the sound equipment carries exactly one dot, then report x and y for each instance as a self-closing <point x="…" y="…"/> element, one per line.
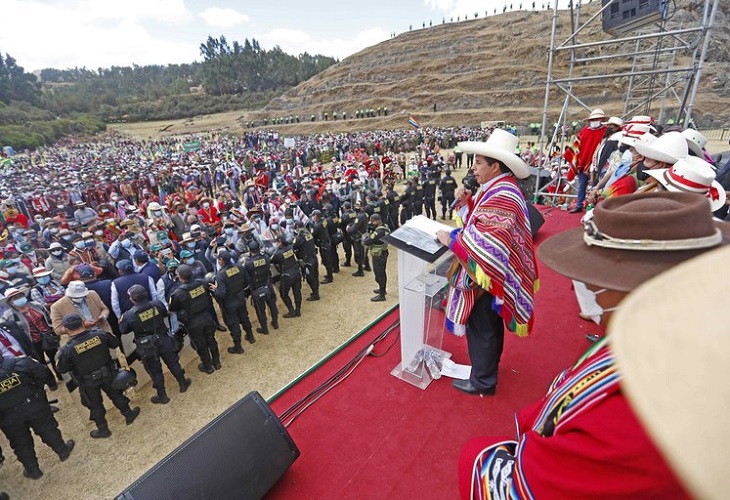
<point x="241" y="454"/>
<point x="623" y="16"/>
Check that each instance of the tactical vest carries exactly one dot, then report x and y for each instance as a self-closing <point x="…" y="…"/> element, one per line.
<point x="234" y="279"/>
<point x="378" y="247"/>
<point x="198" y="298"/>
<point x="304" y="245"/>
<point x="287" y="261"/>
<point x="146" y="319"/>
<point x="15" y="387"/>
<point x="89" y="352"/>
<point x="259" y="267"/>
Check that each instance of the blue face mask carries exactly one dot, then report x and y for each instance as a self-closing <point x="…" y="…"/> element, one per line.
<point x="20" y="302"/>
<point x="126" y="243"/>
<point x="44" y="280"/>
<point x="11" y="270"/>
<point x="89" y="243"/>
<point x="190" y="261"/>
<point x="190" y="244"/>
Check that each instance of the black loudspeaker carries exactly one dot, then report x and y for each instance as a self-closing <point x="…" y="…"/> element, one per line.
<point x="239" y="455"/>
<point x="536" y="218"/>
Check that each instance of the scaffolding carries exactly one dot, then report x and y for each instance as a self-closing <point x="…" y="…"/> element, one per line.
<point x="662" y="61"/>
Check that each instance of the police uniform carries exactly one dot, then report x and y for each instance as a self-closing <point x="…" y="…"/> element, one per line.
<point x="306" y="251"/>
<point x="23" y="406"/>
<point x="448" y="187"/>
<point x="407" y="201"/>
<point x="394" y="205"/>
<point x="356" y="229"/>
<point x="231" y="290"/>
<point x="429" y="196"/>
<point x="192" y="302"/>
<point x="153" y="341"/>
<point x="348" y="216"/>
<point x="379" y="250"/>
<point x="87" y="357"/>
<point x="322" y="240"/>
<point x="332" y="223"/>
<point x="258" y="275"/>
<point x="417" y="198"/>
<point x="286" y="263"/>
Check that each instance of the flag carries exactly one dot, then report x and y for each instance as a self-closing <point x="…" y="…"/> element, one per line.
<point x="413" y="122"/>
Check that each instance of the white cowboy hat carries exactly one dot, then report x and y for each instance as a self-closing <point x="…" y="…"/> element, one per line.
<point x="692" y="175"/>
<point x="669" y="340"/>
<point x="695" y="141"/>
<point x="668" y="148"/>
<point x="634" y="131"/>
<point x="76" y="289"/>
<point x="596" y="114"/>
<point x="502" y="146"/>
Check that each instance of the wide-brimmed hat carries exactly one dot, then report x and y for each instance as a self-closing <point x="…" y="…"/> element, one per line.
<point x="502" y="146"/>
<point x="632" y="238"/>
<point x="696" y="142"/>
<point x="12" y="292"/>
<point x="635" y="131"/>
<point x="55" y="245"/>
<point x="692" y="175"/>
<point x="596" y="114"/>
<point x="40" y="271"/>
<point x="76" y="289"/>
<point x="671" y="346"/>
<point x="668" y="148"/>
<point x="614" y="120"/>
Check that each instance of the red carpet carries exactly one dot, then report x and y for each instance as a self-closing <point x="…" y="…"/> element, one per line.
<point x="375" y="436"/>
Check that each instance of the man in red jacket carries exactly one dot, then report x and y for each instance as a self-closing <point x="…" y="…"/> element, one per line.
<point x="589" y="138"/>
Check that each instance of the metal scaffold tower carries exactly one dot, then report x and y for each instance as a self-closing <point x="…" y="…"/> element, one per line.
<point x="645" y="54"/>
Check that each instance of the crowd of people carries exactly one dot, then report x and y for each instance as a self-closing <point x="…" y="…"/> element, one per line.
<point x="138" y="245"/>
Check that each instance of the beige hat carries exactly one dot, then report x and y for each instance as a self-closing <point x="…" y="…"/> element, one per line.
<point x="614" y="120"/>
<point x="76" y="289"/>
<point x="596" y="114"/>
<point x="695" y="141"/>
<point x="670" y="341"/>
<point x="502" y="146"/>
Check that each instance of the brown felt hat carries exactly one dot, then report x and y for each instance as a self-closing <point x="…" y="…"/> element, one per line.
<point x="632" y="238"/>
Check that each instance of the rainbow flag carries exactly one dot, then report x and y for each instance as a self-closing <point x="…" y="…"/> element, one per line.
<point x="413" y="122"/>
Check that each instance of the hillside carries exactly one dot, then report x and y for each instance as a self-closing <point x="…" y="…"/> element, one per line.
<point x="492" y="68"/>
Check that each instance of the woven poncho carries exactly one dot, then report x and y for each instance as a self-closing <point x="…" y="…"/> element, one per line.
<point x="494" y="248"/>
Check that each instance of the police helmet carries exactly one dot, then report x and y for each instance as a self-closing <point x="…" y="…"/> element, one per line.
<point x="375" y="218"/>
<point x="124" y="379"/>
<point x="254" y="246"/>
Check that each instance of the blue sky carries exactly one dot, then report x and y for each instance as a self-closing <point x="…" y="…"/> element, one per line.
<point x="102" y="33"/>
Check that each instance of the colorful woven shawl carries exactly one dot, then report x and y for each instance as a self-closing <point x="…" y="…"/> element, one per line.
<point x="495" y="250"/>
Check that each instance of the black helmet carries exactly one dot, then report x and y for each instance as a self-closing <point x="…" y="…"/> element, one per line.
<point x="254" y="246"/>
<point x="124" y="379"/>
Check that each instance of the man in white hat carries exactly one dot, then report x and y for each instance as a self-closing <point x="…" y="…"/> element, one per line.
<point x="496" y="277"/>
<point x="84" y="215"/>
<point x="587" y="142"/>
<point x="659" y="154"/>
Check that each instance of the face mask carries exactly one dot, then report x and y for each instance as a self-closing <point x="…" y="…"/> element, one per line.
<point x="79" y="245"/>
<point x="206" y="205"/>
<point x="20" y="231"/>
<point x="157" y="213"/>
<point x="99" y="233"/>
<point x="57" y="253"/>
<point x="181" y="211"/>
<point x="89" y="243"/>
<point x="20" y="302"/>
<point x="11" y="270"/>
<point x="289" y="221"/>
<point x="594" y="125"/>
<point x="641" y="172"/>
<point x="274" y="227"/>
<point x="53" y="230"/>
<point x="126" y="243"/>
<point x="77" y="300"/>
<point x="587" y="301"/>
<point x="65" y="238"/>
<point x="190" y="244"/>
<point x="190" y="261"/>
<point x="229" y="230"/>
<point x="44" y="280"/>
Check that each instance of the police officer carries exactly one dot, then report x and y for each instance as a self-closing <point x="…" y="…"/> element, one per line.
<point x="332" y="221"/>
<point x="306" y="251"/>
<point x="86" y="356"/>
<point x="153" y="341"/>
<point x="417" y="197"/>
<point x="356" y="229"/>
<point x="323" y="242"/>
<point x="231" y="289"/>
<point x="394" y="206"/>
<point x="379" y="250"/>
<point x="348" y="216"/>
<point x="447" y="186"/>
<point x="290" y="276"/>
<point x="24" y="406"/>
<point x="429" y="195"/>
<point x="258" y="276"/>
<point x="407" y="200"/>
<point x="192" y="301"/>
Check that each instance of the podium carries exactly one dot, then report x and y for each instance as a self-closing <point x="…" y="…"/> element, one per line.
<point x="422" y="284"/>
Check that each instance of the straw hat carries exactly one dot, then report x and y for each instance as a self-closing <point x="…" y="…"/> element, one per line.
<point x="632" y="238"/>
<point x="614" y="120"/>
<point x="596" y="114"/>
<point x="668" y="148"/>
<point x="692" y="175"/>
<point x="670" y="342"/>
<point x="502" y="146"/>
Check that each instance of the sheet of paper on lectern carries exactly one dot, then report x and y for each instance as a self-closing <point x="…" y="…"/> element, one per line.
<point x="418" y="237"/>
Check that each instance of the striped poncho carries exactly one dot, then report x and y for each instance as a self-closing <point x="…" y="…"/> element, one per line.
<point x="495" y="252"/>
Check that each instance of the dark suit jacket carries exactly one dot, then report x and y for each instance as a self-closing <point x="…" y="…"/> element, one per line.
<point x="22" y="339"/>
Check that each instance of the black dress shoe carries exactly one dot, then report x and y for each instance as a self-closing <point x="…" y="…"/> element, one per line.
<point x="378" y="298"/>
<point x="326" y="281"/>
<point x="262" y="331"/>
<point x="312" y="298"/>
<point x="358" y="273"/>
<point x="206" y="369"/>
<point x="593" y="338"/>
<point x="220" y="327"/>
<point x="575" y="210"/>
<point x="33" y="473"/>
<point x="467" y="387"/>
<point x="66" y="451"/>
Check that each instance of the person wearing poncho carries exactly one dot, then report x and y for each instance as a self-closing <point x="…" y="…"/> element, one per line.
<point x="494" y="277"/>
